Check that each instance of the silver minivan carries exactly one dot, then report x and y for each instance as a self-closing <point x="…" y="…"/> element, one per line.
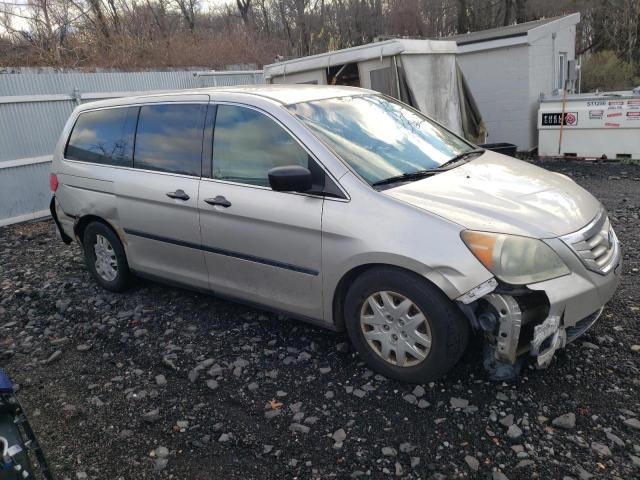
<point x="341" y="207"/>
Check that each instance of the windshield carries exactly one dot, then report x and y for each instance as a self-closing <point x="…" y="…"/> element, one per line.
<point x="378" y="137"/>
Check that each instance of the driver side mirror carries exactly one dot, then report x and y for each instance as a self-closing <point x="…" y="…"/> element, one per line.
<point x="290" y="178"/>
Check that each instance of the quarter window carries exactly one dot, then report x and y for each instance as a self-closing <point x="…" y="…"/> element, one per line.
<point x="247" y="144"/>
<point x="104" y="136"/>
<point x="169" y="138"/>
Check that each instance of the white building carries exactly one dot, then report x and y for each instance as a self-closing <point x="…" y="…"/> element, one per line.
<point x="422" y="73"/>
<point x="508" y="68"/>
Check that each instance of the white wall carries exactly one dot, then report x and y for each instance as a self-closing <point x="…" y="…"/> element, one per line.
<point x="499" y="82"/>
<point x="318" y="76"/>
<point x="506" y="82"/>
<point x="544" y="65"/>
<point x="40" y="103"/>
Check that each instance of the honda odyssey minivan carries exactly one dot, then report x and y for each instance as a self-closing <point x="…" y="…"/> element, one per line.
<point x="341" y="207"/>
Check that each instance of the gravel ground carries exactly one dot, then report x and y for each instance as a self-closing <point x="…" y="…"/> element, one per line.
<point x="165" y="383"/>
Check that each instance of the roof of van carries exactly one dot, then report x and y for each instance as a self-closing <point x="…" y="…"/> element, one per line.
<point x="285" y="94"/>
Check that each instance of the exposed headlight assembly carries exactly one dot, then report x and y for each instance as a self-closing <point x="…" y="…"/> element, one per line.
<point x="514" y="259"/>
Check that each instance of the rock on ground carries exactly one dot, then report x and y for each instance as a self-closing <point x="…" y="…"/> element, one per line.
<point x="88" y="400"/>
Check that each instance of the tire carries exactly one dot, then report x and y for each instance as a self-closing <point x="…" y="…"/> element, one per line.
<point x="98" y="233"/>
<point x="443" y="322"/>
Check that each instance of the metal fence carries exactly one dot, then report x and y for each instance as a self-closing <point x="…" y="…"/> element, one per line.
<point x="35" y="106"/>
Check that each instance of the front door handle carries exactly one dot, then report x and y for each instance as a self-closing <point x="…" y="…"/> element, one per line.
<point x="219" y="200"/>
<point x="178" y="195"/>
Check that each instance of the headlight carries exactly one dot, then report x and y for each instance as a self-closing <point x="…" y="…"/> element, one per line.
<point x="513" y="259"/>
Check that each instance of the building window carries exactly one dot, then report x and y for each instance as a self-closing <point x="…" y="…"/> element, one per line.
<point x="562" y="69"/>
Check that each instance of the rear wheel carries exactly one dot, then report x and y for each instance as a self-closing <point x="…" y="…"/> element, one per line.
<point x="404" y="327"/>
<point x="105" y="257"/>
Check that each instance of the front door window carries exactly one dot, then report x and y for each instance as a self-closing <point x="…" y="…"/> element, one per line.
<point x="247" y="144"/>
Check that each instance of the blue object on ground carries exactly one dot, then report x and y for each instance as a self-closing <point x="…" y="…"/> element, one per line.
<point x="5" y="384"/>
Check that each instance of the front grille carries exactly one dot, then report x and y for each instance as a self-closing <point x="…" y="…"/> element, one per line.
<point x="596" y="244"/>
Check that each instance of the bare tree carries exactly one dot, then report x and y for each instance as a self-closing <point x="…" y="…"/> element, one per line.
<point x="463" y="16"/>
<point x="188" y="10"/>
<point x="508" y="8"/>
<point x="146" y="33"/>
<point x="244" y="6"/>
<point x="521" y="11"/>
<point x="96" y="8"/>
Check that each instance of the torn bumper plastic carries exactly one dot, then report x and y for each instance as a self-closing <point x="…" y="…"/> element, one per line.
<point x="542" y="318"/>
<point x="576" y="302"/>
<point x="547" y="338"/>
<point x="550" y="336"/>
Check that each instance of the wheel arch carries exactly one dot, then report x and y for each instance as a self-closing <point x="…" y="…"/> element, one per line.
<point x="103" y="228"/>
<point x="435" y="278"/>
<point x="83" y="221"/>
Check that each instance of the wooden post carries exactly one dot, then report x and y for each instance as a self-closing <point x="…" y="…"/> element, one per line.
<point x="564" y="105"/>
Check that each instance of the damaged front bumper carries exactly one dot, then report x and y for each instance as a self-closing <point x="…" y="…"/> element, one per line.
<point x="540" y="318"/>
<point x="550" y="334"/>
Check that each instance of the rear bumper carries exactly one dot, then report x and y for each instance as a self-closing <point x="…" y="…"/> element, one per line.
<point x="64" y="223"/>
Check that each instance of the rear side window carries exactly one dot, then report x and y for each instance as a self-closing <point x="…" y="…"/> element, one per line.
<point x="169" y="138"/>
<point x="104" y="136"/>
<point x="247" y="144"/>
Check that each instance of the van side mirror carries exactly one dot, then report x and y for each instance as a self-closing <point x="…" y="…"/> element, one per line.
<point x="290" y="178"/>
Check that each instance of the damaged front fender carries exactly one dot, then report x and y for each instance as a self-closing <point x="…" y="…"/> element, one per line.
<point x="516" y="322"/>
<point x="521" y="321"/>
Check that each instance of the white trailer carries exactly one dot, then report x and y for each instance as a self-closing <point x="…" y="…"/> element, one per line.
<point x="593" y="125"/>
<point x="421" y="73"/>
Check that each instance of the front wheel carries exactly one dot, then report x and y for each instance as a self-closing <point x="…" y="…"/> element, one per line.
<point x="404" y="327"/>
<point x="105" y="257"/>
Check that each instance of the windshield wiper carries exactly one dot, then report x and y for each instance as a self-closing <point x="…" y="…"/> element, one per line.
<point x="406" y="176"/>
<point x="464" y="156"/>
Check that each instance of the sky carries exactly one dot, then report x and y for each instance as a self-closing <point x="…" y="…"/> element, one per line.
<point x="18" y="23"/>
<point x="22" y="24"/>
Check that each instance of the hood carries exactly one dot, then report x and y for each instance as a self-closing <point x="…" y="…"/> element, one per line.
<point x="496" y="193"/>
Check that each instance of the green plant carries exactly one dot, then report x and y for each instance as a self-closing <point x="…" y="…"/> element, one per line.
<point x="605" y="71"/>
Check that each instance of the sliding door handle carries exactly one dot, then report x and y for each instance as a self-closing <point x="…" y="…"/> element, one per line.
<point x="178" y="195"/>
<point x="219" y="200"/>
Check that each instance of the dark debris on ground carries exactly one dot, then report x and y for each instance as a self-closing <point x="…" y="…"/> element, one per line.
<point x="161" y="382"/>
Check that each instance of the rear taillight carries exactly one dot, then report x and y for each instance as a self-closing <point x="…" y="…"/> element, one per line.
<point x="53" y="182"/>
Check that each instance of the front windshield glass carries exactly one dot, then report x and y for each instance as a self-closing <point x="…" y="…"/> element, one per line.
<point x="378" y="137"/>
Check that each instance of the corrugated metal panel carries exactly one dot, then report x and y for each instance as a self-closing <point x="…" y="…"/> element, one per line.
<point x="31" y="128"/>
<point x="220" y="79"/>
<point x="48" y="83"/>
<point x="53" y="83"/>
<point x="24" y="190"/>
